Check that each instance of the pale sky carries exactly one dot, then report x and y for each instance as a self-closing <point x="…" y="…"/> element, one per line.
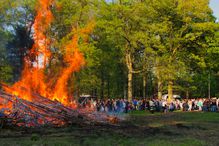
<point x="214" y="4"/>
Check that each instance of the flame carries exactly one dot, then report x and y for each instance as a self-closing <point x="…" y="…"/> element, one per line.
<point x="33" y="78"/>
<point x="74" y="59"/>
<point x="42" y="22"/>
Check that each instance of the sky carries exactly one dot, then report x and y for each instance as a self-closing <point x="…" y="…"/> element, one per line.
<point x="214" y="4"/>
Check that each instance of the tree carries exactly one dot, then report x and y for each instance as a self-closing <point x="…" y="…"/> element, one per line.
<point x="5" y="68"/>
<point x="16" y="20"/>
<point x="182" y="26"/>
<point x="126" y="22"/>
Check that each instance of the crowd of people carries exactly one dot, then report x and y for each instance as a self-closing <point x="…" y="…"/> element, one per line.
<point x="154" y="105"/>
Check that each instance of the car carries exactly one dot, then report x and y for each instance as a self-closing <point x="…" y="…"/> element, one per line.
<point x="83" y="99"/>
<point x="165" y="96"/>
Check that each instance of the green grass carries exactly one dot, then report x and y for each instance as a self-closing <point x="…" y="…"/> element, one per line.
<point x="141" y="129"/>
<point x="102" y="141"/>
<point x="185" y="117"/>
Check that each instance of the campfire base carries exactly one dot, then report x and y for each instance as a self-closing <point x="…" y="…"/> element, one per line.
<point x="42" y="111"/>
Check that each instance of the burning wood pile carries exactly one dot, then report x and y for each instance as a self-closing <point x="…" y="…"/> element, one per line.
<point x="43" y="111"/>
<point x="39" y="98"/>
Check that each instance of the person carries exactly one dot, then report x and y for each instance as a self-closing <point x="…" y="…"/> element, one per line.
<point x="143" y="104"/>
<point x="200" y="104"/>
<point x="205" y="105"/>
<point x="190" y="105"/>
<point x="157" y="106"/>
<point x="172" y="107"/>
<point x="102" y="107"/>
<point x="217" y="102"/>
<point x="185" y="106"/>
<point x="2" y="118"/>
<point x="94" y="104"/>
<point x="110" y="104"/>
<point x="152" y="106"/>
<point x="164" y="106"/>
<point x="123" y="105"/>
<point x="98" y="105"/>
<point x="126" y="106"/>
<point x="118" y="105"/>
<point x="213" y="106"/>
<point x="2" y="115"/>
<point x="135" y="103"/>
<point x="177" y="103"/>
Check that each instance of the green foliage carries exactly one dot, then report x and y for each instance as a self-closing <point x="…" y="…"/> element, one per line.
<point x="5" y="73"/>
<point x="5" y="68"/>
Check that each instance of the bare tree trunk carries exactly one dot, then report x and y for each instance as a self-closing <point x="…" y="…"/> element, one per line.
<point x="124" y="91"/>
<point x="102" y="85"/>
<point x="159" y="89"/>
<point x="170" y="91"/>
<point x="187" y="94"/>
<point x="108" y="87"/>
<point x="209" y="85"/>
<point x="144" y="85"/>
<point x="159" y="85"/>
<point x="130" y="74"/>
<point x="129" y="86"/>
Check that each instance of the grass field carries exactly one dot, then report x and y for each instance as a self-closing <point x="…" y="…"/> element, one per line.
<point x="140" y="129"/>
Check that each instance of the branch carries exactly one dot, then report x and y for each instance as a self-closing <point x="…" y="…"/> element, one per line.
<point x="129" y="42"/>
<point x="139" y="71"/>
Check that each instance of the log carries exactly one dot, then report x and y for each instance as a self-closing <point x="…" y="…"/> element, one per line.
<point x="43" y="111"/>
<point x="40" y="109"/>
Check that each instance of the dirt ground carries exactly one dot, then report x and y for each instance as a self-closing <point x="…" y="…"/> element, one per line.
<point x="140" y="128"/>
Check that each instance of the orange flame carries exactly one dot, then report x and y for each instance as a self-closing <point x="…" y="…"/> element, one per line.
<point x="75" y="60"/>
<point x="42" y="22"/>
<point x="33" y="76"/>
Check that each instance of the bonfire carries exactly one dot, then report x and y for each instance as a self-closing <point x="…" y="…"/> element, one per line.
<point x="35" y="101"/>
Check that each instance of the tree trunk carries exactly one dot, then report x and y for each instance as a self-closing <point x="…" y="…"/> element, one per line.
<point x="187" y="94"/>
<point x="159" y="89"/>
<point x="130" y="74"/>
<point x="144" y="85"/>
<point x="129" y="86"/>
<point x="124" y="91"/>
<point x="170" y="91"/>
<point x="102" y="85"/>
<point x="108" y="87"/>
<point x="209" y="85"/>
<point x="95" y="92"/>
